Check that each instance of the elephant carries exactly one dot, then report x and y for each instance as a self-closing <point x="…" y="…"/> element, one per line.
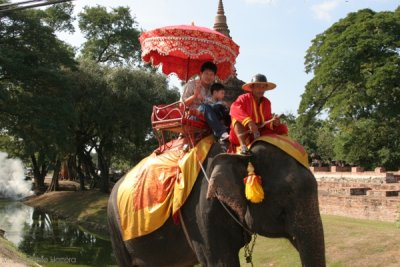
<point x="217" y="219"/>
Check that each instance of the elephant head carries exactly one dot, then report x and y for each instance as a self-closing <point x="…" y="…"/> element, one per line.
<point x="290" y="207"/>
<point x="225" y="184"/>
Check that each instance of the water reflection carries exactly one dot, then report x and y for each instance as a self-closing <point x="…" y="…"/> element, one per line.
<point x="51" y="241"/>
<point x="13" y="217"/>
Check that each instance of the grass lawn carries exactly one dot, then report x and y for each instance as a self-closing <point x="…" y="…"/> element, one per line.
<point x="10" y="256"/>
<point x="348" y="242"/>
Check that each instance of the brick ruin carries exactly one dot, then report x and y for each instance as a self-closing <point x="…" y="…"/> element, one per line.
<point x="353" y="192"/>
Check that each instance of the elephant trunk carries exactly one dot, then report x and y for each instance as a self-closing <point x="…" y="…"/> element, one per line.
<point x="308" y="234"/>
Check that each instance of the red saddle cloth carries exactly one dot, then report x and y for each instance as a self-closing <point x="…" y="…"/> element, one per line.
<point x="158" y="186"/>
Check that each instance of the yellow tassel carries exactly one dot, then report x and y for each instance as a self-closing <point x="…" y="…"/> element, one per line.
<point x="253" y="189"/>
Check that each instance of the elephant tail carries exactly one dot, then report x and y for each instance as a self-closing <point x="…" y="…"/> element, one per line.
<point x="121" y="253"/>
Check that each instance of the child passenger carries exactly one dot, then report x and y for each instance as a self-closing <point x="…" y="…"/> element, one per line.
<point x="216" y="101"/>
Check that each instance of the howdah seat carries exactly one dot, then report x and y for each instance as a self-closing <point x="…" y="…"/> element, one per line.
<point x="177" y="119"/>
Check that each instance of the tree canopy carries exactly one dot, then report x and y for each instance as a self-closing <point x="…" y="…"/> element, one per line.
<point x="111" y="37"/>
<point x="34" y="109"/>
<point x="356" y="86"/>
<point x="56" y="106"/>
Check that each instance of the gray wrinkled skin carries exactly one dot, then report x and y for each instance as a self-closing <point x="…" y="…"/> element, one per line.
<point x="289" y="210"/>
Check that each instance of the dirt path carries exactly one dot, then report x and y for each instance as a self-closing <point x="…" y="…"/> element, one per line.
<point x="10" y="263"/>
<point x="10" y="257"/>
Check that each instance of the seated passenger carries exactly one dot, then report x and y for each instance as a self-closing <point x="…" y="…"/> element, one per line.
<point x="195" y="93"/>
<point x="220" y="107"/>
<point x="251" y="114"/>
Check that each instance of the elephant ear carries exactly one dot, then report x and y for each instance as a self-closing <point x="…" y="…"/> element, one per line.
<point x="226" y="182"/>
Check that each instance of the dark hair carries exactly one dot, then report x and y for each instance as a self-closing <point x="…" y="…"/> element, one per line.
<point x="208" y="65"/>
<point x="216" y="87"/>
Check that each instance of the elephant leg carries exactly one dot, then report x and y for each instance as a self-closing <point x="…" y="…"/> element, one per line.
<point x="121" y="254"/>
<point x="215" y="237"/>
<point x="217" y="256"/>
<point x="308" y="234"/>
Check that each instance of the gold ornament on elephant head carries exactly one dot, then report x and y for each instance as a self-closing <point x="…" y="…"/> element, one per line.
<point x="253" y="185"/>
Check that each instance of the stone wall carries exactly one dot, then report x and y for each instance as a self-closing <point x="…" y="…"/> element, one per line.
<point x="355" y="193"/>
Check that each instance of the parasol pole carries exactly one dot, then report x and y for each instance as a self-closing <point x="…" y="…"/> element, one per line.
<point x="187" y="70"/>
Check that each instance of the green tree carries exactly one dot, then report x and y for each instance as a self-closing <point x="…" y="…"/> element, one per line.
<point x="305" y="131"/>
<point x="34" y="99"/>
<point x="52" y="109"/>
<point x="356" y="83"/>
<point x="136" y="92"/>
<point x="59" y="17"/>
<point x="324" y="141"/>
<point x="115" y="123"/>
<point x="111" y="37"/>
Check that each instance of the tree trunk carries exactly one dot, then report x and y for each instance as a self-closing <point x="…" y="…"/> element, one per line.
<point x="71" y="165"/>
<point x="64" y="172"/>
<point x="80" y="175"/>
<point x="90" y="167"/>
<point x="54" y="185"/>
<point x="104" y="177"/>
<point x="39" y="172"/>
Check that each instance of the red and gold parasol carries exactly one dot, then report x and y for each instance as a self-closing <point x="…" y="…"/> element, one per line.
<point x="182" y="49"/>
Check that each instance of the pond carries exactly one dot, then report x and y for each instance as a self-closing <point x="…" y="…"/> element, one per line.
<point x="51" y="241"/>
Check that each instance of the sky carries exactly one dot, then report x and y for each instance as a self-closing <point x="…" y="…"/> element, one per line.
<point x="273" y="35"/>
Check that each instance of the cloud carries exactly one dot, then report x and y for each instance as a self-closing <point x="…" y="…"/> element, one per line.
<point x="323" y="11"/>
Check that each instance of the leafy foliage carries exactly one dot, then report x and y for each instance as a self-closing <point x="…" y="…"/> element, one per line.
<point x="112" y="37"/>
<point x="356" y="63"/>
<point x="52" y="108"/>
<point x="59" y="17"/>
<point x="116" y="120"/>
<point x="134" y="94"/>
<point x="35" y="107"/>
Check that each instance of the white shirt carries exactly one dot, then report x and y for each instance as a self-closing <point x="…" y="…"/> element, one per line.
<point x="188" y="91"/>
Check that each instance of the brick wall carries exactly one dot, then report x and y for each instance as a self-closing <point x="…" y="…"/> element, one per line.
<point x="355" y="193"/>
<point x="361" y="207"/>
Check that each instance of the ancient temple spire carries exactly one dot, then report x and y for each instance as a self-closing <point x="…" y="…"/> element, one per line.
<point x="220" y="20"/>
<point x="233" y="86"/>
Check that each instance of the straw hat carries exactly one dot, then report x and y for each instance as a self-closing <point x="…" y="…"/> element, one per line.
<point x="258" y="79"/>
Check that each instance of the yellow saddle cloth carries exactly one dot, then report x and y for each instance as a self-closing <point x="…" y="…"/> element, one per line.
<point x="157" y="187"/>
<point x="288" y="145"/>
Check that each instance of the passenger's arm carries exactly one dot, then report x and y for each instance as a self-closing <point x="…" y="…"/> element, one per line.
<point x="192" y="92"/>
